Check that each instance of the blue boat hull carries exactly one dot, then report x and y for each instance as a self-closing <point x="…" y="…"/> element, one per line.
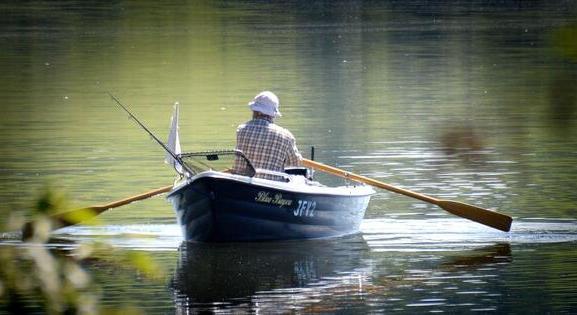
<point x="223" y="209"/>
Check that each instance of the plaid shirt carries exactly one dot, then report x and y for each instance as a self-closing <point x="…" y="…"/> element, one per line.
<point x="267" y="146"/>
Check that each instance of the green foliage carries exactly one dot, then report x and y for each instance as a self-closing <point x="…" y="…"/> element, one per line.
<point x="50" y="201"/>
<point x="33" y="272"/>
<point x="36" y="277"/>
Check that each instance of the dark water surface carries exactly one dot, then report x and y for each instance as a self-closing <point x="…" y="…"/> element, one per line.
<point x="396" y="265"/>
<point x="464" y="100"/>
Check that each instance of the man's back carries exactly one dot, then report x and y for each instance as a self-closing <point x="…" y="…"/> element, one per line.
<point x="267" y="146"/>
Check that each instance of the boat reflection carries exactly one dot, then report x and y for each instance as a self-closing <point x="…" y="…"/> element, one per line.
<point x="243" y="273"/>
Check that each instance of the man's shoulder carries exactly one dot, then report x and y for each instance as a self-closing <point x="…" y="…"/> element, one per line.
<point x="281" y="130"/>
<point x="251" y="126"/>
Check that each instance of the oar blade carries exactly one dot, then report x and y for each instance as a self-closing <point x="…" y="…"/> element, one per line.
<point x="73" y="217"/>
<point x="487" y="217"/>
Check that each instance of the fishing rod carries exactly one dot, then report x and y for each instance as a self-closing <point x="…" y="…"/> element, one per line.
<point x="172" y="154"/>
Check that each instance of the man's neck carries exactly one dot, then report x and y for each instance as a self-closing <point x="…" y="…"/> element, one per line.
<point x="258" y="115"/>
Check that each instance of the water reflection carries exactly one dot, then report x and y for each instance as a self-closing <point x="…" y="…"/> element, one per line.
<point x="261" y="276"/>
<point x="496" y="253"/>
<point x="460" y="281"/>
<point x="563" y="100"/>
<point x="462" y="141"/>
<point x="324" y="276"/>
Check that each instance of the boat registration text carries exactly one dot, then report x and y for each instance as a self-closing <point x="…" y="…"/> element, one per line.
<point x="304" y="208"/>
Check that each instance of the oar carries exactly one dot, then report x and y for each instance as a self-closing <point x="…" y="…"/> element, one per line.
<point x="487" y="217"/>
<point x="72" y="217"/>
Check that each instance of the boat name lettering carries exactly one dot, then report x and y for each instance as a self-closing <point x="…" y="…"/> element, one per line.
<point x="277" y="199"/>
<point x="305" y="209"/>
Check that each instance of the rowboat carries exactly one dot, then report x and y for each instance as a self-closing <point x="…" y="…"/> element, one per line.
<point x="214" y="205"/>
<point x="218" y="206"/>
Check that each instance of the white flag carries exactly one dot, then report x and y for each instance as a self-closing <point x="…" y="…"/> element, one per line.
<point x="174" y="141"/>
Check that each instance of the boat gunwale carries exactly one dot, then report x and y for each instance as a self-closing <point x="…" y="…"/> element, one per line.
<point x="360" y="190"/>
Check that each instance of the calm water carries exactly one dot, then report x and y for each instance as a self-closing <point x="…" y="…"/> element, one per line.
<point x="470" y="101"/>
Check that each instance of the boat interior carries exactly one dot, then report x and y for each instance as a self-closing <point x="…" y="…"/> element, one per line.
<point x="222" y="161"/>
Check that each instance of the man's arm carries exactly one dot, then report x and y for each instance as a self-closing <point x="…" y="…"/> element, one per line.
<point x="294" y="157"/>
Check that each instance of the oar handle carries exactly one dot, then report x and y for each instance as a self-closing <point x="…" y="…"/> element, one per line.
<point x="128" y="200"/>
<point x="359" y="178"/>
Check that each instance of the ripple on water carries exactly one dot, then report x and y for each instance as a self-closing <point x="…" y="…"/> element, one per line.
<point x="137" y="236"/>
<point x="403" y="233"/>
<point x="436" y="234"/>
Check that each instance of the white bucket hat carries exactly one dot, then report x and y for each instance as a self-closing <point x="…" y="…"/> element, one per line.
<point x="267" y="103"/>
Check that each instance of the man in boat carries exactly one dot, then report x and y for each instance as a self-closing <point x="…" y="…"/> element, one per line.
<point x="267" y="145"/>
